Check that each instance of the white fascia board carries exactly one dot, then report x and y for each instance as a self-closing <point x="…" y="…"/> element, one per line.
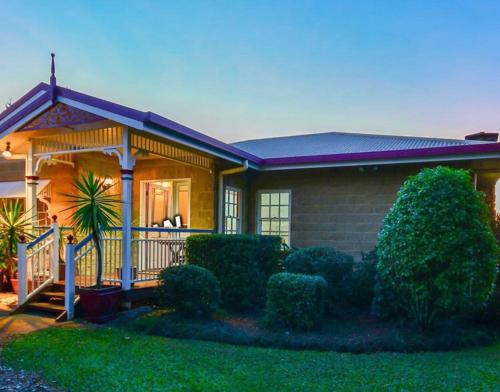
<point x="103" y="113"/>
<point x="375" y="162"/>
<point x="26" y="119"/>
<point x="195" y="146"/>
<point x="24" y="105"/>
<point x="139" y="125"/>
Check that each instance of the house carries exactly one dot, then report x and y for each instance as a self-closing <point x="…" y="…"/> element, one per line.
<point x="331" y="188"/>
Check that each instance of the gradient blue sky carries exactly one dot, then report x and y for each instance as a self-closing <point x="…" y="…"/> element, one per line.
<point x="239" y="70"/>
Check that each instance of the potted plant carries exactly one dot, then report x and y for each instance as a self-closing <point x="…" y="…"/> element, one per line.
<point x="93" y="212"/>
<point x="14" y="222"/>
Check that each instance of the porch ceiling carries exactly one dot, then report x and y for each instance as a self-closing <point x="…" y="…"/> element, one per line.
<point x="110" y="141"/>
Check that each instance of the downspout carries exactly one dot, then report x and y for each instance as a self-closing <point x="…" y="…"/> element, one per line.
<point x="220" y="214"/>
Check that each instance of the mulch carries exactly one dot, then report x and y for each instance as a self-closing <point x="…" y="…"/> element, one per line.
<point x="11" y="381"/>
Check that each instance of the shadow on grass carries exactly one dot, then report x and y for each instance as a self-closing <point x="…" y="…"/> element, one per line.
<point x="354" y="333"/>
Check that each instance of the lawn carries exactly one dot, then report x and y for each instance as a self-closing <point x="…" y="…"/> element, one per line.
<point x="105" y="359"/>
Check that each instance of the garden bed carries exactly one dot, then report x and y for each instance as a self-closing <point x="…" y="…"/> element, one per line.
<point x="354" y="333"/>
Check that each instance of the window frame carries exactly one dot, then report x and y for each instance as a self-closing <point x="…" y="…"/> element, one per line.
<point x="143" y="204"/>
<point x="240" y="209"/>
<point x="258" y="223"/>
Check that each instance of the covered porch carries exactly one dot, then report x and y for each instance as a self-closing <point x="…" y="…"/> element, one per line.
<point x="166" y="192"/>
<point x="168" y="187"/>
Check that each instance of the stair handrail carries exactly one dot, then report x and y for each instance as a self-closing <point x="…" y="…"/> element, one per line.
<point x="41" y="243"/>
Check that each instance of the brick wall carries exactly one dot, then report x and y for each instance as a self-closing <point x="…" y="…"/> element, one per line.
<point x="202" y="184"/>
<point x="12" y="170"/>
<point x="202" y="188"/>
<point x="341" y="207"/>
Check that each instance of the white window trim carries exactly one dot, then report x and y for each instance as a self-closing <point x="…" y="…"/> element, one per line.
<point x="240" y="208"/>
<point x="258" y="223"/>
<point x="142" y="198"/>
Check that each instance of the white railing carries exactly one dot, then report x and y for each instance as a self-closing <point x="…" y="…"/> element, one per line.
<point x="153" y="249"/>
<point x="85" y="259"/>
<point x="38" y="263"/>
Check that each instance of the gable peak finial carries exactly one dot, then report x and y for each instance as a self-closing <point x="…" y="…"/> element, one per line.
<point x="53" y="70"/>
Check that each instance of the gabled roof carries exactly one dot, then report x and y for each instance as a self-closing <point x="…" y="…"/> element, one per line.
<point x="43" y="96"/>
<point x="315" y="150"/>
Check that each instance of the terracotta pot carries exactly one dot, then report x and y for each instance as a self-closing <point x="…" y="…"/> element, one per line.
<point x="100" y="305"/>
<point x="15" y="285"/>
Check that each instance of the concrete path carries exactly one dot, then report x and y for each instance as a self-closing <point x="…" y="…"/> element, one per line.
<point x="23" y="323"/>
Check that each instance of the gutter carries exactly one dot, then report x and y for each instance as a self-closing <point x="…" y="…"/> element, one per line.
<point x="220" y="215"/>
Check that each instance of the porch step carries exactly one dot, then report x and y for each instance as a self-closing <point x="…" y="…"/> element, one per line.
<point x="49" y="301"/>
<point x="58" y="287"/>
<point x="56" y="297"/>
<point x="46" y="307"/>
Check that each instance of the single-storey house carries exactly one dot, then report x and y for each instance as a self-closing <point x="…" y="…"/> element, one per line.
<point x="330" y="188"/>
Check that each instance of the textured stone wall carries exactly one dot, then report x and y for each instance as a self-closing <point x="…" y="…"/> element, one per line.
<point x="342" y="207"/>
<point x="12" y="170"/>
<point x="202" y="184"/>
<point x="202" y="188"/>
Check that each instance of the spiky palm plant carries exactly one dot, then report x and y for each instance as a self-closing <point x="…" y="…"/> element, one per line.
<point x="93" y="211"/>
<point x="14" y="222"/>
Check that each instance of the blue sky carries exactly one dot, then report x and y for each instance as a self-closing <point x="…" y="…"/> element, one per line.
<point x="239" y="70"/>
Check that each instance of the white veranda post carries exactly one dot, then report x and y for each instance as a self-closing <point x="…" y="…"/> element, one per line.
<point x="31" y="186"/>
<point x="127" y="165"/>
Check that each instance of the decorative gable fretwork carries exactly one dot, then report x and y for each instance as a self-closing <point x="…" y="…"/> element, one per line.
<point x="61" y="115"/>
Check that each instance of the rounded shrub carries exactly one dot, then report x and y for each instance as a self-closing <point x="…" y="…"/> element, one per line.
<point x="334" y="266"/>
<point x="243" y="264"/>
<point x="295" y="301"/>
<point x="191" y="290"/>
<point x="436" y="248"/>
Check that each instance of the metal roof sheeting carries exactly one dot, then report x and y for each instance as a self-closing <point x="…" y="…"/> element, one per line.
<point x="331" y="143"/>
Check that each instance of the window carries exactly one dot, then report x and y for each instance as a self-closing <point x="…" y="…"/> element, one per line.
<point x="232" y="210"/>
<point x="274" y="213"/>
<point x="164" y="200"/>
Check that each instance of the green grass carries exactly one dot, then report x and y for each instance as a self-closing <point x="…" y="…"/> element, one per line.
<point x="105" y="359"/>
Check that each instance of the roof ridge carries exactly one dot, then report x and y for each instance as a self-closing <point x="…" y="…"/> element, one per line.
<point x="359" y="134"/>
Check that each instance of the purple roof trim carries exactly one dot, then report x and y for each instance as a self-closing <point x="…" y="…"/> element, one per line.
<point x="394" y="154"/>
<point x="28" y="109"/>
<point x="191" y="133"/>
<point x="102" y="104"/>
<point x="152" y="118"/>
<point x="35" y="90"/>
<point x="188" y="133"/>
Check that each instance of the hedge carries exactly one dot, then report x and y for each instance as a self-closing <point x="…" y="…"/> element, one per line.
<point x="191" y="290"/>
<point x="295" y="301"/>
<point x="242" y="263"/>
<point x="334" y="266"/>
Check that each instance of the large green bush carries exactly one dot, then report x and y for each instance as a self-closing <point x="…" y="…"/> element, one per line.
<point x="295" y="301"/>
<point x="436" y="249"/>
<point x="242" y="263"/>
<point x="334" y="266"/>
<point x="362" y="283"/>
<point x="191" y="290"/>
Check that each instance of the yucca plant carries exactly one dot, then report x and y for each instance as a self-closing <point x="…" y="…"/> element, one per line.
<point x="93" y="211"/>
<point x="14" y="222"/>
